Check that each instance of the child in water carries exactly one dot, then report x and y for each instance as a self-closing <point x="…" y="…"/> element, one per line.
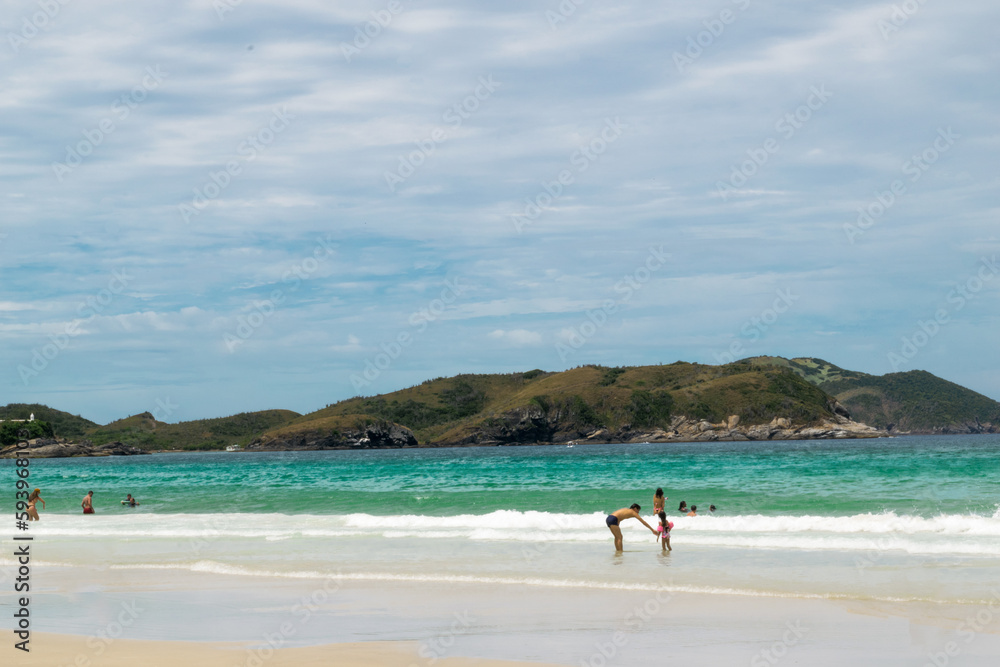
<point x="664" y="530"/>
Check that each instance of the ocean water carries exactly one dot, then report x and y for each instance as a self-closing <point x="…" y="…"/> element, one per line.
<point x="903" y="519"/>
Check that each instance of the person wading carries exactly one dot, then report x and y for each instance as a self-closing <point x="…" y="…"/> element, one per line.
<point x="616" y="518"/>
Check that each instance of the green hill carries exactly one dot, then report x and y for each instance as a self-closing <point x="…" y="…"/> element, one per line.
<point x="914" y="401"/>
<point x="64" y="425"/>
<point x="13" y="432"/>
<point x="617" y="403"/>
<point x="537" y="406"/>
<point x="145" y="432"/>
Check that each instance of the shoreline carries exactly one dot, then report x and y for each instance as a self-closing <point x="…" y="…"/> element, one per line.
<point x="48" y="649"/>
<point x="575" y="443"/>
<point x="221" y="622"/>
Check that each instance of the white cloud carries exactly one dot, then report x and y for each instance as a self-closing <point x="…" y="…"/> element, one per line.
<point x="517" y="337"/>
<point x="324" y="175"/>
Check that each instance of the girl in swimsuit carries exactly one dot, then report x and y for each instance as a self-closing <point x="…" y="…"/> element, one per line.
<point x="32" y="499"/>
<point x="664" y="530"/>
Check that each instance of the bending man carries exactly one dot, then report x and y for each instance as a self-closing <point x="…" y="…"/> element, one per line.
<point x="617" y="517"/>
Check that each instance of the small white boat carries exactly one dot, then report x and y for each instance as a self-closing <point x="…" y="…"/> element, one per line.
<point x="234" y="448"/>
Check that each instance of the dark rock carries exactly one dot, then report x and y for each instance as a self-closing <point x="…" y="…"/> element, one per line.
<point x="49" y="448"/>
<point x="377" y="435"/>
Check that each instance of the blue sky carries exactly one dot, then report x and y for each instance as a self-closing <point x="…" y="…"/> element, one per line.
<point x="213" y="207"/>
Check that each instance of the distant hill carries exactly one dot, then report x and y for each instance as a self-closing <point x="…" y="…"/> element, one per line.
<point x="64" y="425"/>
<point x="145" y="432"/>
<point x="914" y="401"/>
<point x="773" y="396"/>
<point x="538" y="406"/>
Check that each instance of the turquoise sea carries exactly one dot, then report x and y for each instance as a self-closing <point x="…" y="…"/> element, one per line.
<point x="916" y="476"/>
<point x="901" y="521"/>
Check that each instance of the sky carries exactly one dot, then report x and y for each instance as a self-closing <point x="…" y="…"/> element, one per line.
<point x="212" y="207"/>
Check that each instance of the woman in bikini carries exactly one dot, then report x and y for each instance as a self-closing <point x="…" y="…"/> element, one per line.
<point x="617" y="517"/>
<point x="659" y="500"/>
<point x="32" y="499"/>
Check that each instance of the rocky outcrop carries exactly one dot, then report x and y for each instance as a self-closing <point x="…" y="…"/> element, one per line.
<point x="968" y="428"/>
<point x="50" y="448"/>
<point x="683" y="429"/>
<point x="523" y="426"/>
<point x="530" y="426"/>
<point x="377" y="435"/>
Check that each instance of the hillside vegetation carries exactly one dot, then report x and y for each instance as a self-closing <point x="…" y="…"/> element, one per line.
<point x="145" y="432"/>
<point x="13" y="432"/>
<point x="64" y="425"/>
<point x="537" y="406"/>
<point x="605" y="404"/>
<point x="914" y="401"/>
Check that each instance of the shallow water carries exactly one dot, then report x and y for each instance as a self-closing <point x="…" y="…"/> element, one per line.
<point x="911" y="519"/>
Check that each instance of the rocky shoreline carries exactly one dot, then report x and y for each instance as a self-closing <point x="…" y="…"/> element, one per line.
<point x="518" y="427"/>
<point x="54" y="448"/>
<point x="380" y="435"/>
<point x="683" y="429"/>
<point x="531" y="427"/>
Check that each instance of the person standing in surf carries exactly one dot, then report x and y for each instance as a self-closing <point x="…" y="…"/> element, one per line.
<point x="88" y="503"/>
<point x="664" y="530"/>
<point x="617" y="517"/>
<point x="659" y="500"/>
<point x="33" y="500"/>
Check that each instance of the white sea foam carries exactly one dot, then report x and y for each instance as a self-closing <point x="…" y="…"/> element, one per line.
<point x="960" y="534"/>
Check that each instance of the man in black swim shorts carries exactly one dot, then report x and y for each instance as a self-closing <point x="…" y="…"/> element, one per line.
<point x="617" y="517"/>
